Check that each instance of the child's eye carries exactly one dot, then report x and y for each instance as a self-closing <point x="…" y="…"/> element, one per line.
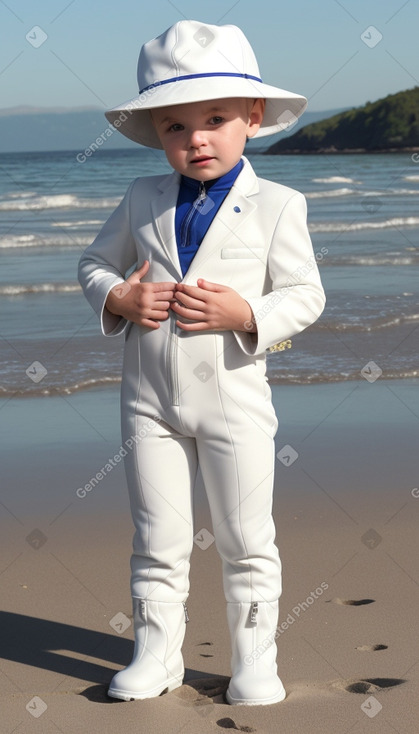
<point x="176" y="127"/>
<point x="216" y="120"/>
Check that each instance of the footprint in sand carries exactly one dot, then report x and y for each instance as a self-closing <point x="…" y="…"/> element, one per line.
<point x="228" y="723"/>
<point x="203" y="690"/>
<point x="359" y="603"/>
<point x="203" y="654"/>
<point x="352" y="602"/>
<point x="367" y="685"/>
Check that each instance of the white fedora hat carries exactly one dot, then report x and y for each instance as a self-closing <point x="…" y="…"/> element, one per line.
<point x="194" y="62"/>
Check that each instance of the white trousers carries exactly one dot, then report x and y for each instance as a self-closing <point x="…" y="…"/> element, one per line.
<point x="218" y="416"/>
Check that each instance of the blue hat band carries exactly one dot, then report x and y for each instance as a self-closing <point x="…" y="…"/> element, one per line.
<point x="199" y="76"/>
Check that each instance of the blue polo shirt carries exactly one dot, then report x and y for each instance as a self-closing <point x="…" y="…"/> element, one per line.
<point x="197" y="204"/>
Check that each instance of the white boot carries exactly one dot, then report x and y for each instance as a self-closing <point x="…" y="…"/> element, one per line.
<point x="157" y="663"/>
<point x="254" y="680"/>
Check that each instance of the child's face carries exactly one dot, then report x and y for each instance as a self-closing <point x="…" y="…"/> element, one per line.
<point x="205" y="140"/>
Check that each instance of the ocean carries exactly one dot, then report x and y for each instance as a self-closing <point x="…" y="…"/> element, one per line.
<point x="363" y="217"/>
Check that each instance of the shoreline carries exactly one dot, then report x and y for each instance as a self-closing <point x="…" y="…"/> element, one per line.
<point x="114" y="382"/>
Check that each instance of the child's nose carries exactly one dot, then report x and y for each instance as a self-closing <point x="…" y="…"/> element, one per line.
<point x="197" y="138"/>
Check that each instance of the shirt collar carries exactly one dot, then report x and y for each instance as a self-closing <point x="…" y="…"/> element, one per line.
<point x="223" y="183"/>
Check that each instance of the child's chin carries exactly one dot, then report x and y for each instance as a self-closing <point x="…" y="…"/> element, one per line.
<point x="207" y="173"/>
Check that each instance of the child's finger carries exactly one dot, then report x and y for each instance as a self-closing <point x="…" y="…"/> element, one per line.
<point x="195" y="326"/>
<point x="190" y="312"/>
<point x="163" y="295"/>
<point x="193" y="299"/>
<point x="164" y="287"/>
<point x="143" y="270"/>
<point x="209" y="286"/>
<point x="150" y="323"/>
<point x="159" y="315"/>
<point x="190" y="290"/>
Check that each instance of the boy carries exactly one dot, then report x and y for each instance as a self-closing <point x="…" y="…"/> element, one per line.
<point x="226" y="271"/>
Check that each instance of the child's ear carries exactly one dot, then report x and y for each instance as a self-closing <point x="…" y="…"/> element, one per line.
<point x="255" y="117"/>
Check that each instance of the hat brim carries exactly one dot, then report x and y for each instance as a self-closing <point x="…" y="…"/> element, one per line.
<point x="133" y="118"/>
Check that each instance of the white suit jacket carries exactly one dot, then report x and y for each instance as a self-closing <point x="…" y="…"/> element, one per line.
<point x="257" y="244"/>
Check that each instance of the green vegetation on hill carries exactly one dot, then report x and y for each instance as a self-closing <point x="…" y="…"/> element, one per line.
<point x="391" y="123"/>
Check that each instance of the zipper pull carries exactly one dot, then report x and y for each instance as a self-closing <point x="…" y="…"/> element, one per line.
<point x="143" y="609"/>
<point x="202" y="192"/>
<point x="186" y="612"/>
<point x="202" y="195"/>
<point x="253" y="612"/>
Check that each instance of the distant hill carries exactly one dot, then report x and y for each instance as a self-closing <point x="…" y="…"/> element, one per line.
<point x="390" y="124"/>
<point x="43" y="129"/>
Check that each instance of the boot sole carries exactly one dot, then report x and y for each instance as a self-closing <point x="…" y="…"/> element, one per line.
<point x="255" y="702"/>
<point x="153" y="693"/>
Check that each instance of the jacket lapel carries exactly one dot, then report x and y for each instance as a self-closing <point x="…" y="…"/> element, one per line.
<point x="163" y="209"/>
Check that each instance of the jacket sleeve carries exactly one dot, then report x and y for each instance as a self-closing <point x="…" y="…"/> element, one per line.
<point x="105" y="262"/>
<point x="297" y="297"/>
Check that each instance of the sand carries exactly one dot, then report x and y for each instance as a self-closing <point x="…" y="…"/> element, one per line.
<point x="347" y="532"/>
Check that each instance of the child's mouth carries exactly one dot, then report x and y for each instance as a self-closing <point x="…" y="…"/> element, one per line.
<point x="202" y="160"/>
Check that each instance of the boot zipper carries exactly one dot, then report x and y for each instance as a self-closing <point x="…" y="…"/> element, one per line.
<point x="253" y="612"/>
<point x="143" y="610"/>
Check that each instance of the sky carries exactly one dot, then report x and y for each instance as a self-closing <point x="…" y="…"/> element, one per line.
<point x="84" y="53"/>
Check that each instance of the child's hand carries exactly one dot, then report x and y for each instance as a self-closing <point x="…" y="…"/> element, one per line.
<point x="212" y="307"/>
<point x="143" y="303"/>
